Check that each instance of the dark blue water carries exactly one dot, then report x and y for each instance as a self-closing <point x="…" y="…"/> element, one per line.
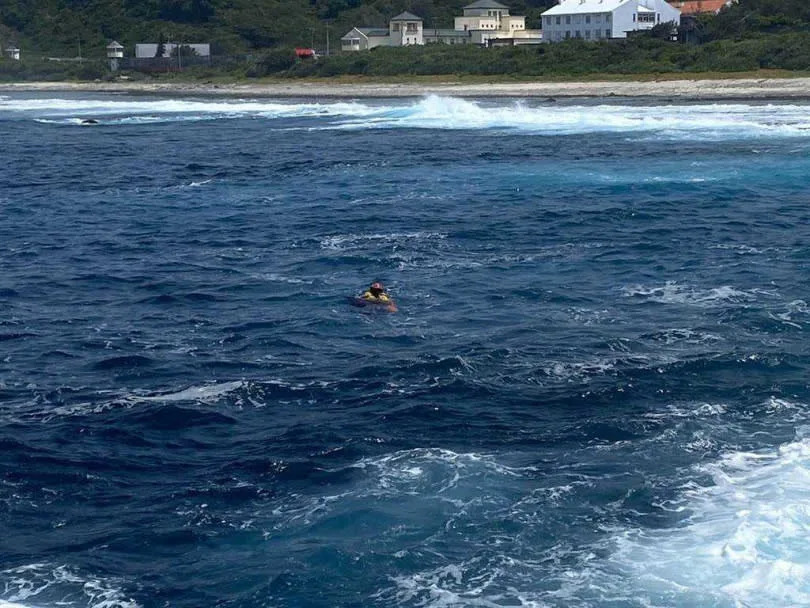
<point x="594" y="394"/>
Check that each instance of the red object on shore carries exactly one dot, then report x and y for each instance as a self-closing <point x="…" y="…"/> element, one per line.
<point x="303" y="53"/>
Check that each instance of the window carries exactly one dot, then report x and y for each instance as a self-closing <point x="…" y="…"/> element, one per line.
<point x="607" y="33"/>
<point x="577" y="19"/>
<point x="598" y="18"/>
<point x="567" y="34"/>
<point x="577" y="34"/>
<point x="412" y="27"/>
<point x="568" y="20"/>
<point x="587" y="34"/>
<point x="558" y="21"/>
<point x="396" y="27"/>
<point x="634" y="17"/>
<point x="587" y="18"/>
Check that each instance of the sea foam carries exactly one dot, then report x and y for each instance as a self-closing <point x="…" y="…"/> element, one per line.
<point x="695" y="121"/>
<point x="742" y="544"/>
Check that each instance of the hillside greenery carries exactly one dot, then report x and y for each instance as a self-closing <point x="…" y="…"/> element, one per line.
<point x="750" y="35"/>
<point x="57" y="27"/>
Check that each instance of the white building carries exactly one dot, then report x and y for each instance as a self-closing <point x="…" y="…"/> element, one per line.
<point x="364" y="38"/>
<point x="142" y="51"/>
<point x="489" y="22"/>
<point x="115" y="51"/>
<point x="13" y="52"/>
<point x="403" y="30"/>
<point x="599" y="19"/>
<point x="406" y="29"/>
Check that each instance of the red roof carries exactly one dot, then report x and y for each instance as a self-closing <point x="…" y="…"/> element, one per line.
<point x="694" y="7"/>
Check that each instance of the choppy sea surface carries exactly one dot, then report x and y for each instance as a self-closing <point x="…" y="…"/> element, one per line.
<point x="595" y="393"/>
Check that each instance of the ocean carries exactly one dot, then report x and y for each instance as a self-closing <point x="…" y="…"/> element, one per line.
<point x="594" y="394"/>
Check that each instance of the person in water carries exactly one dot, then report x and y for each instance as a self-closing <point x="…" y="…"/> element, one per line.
<point x="376" y="294"/>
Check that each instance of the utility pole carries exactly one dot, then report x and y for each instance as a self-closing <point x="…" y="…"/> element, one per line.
<point x="327" y="39"/>
<point x="80" y="49"/>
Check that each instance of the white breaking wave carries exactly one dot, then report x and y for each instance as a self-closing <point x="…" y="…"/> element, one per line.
<point x="206" y="393"/>
<point x="743" y="544"/>
<point x="154" y="109"/>
<point x="429" y="471"/>
<point x="57" y="586"/>
<point x="704" y="121"/>
<point x="688" y="121"/>
<point x="674" y="293"/>
<point x="341" y="242"/>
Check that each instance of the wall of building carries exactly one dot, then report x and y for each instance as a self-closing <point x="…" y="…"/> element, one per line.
<point x="406" y="33"/>
<point x="476" y="23"/>
<point x="486" y="12"/>
<point x="623" y="20"/>
<point x="668" y="12"/>
<point x="354" y="41"/>
<point x="350" y="44"/>
<point x="375" y="41"/>
<point x="591" y="26"/>
<point x="513" y="24"/>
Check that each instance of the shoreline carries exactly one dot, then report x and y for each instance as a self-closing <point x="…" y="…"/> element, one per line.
<point x="687" y="89"/>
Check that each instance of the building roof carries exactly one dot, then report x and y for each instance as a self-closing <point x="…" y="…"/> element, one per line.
<point x="375" y="32"/>
<point x="485" y="4"/>
<point x="115" y="45"/>
<point x="579" y="7"/>
<point x="348" y="34"/>
<point x="695" y="7"/>
<point x="406" y="16"/>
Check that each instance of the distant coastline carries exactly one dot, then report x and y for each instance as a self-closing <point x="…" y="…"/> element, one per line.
<point x="686" y="89"/>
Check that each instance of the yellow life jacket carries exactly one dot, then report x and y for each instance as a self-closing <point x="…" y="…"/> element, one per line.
<point x="372" y="298"/>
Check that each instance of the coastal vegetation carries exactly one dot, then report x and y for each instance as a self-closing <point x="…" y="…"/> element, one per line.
<point x="258" y="37"/>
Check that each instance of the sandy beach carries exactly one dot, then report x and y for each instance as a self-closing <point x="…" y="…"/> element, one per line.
<point x="755" y="88"/>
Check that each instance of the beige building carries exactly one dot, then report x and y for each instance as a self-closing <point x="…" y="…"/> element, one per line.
<point x="490" y="23"/>
<point x="485" y="22"/>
